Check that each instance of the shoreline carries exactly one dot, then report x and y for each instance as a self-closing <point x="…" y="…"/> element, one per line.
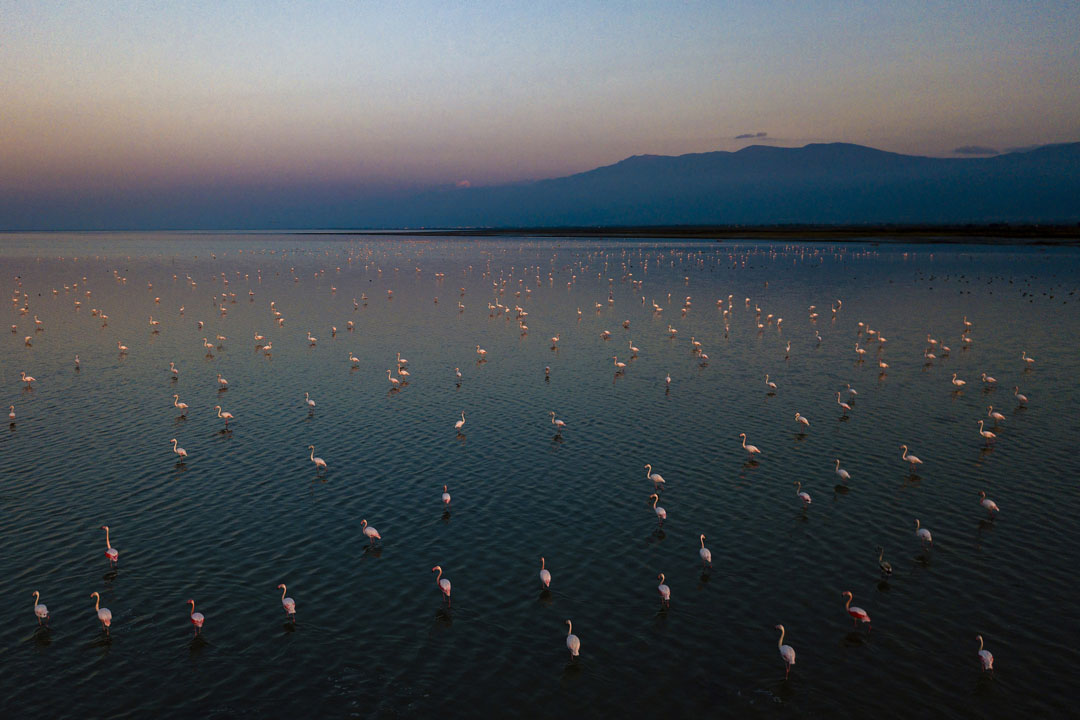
<point x="970" y="234"/>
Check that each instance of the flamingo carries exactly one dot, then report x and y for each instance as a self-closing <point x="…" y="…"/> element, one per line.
<point x="559" y="424"/>
<point x="922" y="533"/>
<point x="885" y="565"/>
<point x="223" y="384"/>
<point x="990" y="505"/>
<point x="445" y="497"/>
<point x="857" y="613"/>
<point x="805" y="497"/>
<point x="985" y="658"/>
<point x="841" y="472"/>
<point x="481" y="352"/>
<point x="633" y="350"/>
<point x="572" y="642"/>
<point x="173" y="370"/>
<point x="28" y="379"/>
<point x="555" y="342"/>
<point x="751" y="450"/>
<point x="460" y="423"/>
<point x="656" y="478"/>
<point x="104" y="615"/>
<point x="860" y="352"/>
<point x="619" y="366"/>
<point x="121" y="347"/>
<point x="768" y="384"/>
<point x="181" y="452"/>
<point x="310" y="403"/>
<point x="911" y="459"/>
<point x="320" y="464"/>
<point x="288" y="603"/>
<point x="988" y="379"/>
<point x="704" y="552"/>
<point x="226" y="416"/>
<point x="394" y="382"/>
<point x="311" y="340"/>
<point x="457" y="374"/>
<point x="664" y="590"/>
<point x="442" y="583"/>
<point x="843" y="405"/>
<point x="787" y="653"/>
<point x="851" y="391"/>
<point x="197" y="618"/>
<point x="354" y="360"/>
<point x="661" y="513"/>
<point x="1022" y="399"/>
<point x="401" y="360"/>
<point x="545" y="576"/>
<point x="957" y="383"/>
<point x="371" y="533"/>
<point x="802" y="420"/>
<point x="667" y="379"/>
<point x="991" y="413"/>
<point x="987" y="435"/>
<point x="40" y="610"/>
<point x="11" y="413"/>
<point x="76" y="362"/>
<point x="110" y="552"/>
<point x="1029" y="361"/>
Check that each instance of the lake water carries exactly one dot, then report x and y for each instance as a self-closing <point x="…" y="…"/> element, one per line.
<point x="248" y="510"/>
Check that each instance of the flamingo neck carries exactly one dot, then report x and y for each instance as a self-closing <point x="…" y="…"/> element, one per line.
<point x="542" y="563"/>
<point x="570" y="631"/>
<point x="97" y="602"/>
<point x="107" y="539"/>
<point x="312" y="456"/>
<point x="36" y="596"/>
<point x="847" y="605"/>
<point x="283" y="591"/>
<point x="780" y="642"/>
<point x="439" y="576"/>
<point x="980" y="643"/>
<point x="192" y="603"/>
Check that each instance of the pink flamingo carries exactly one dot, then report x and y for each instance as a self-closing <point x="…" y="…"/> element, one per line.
<point x="110" y="552"/>
<point x="371" y="533"/>
<point x="843" y="405"/>
<point x="40" y="610"/>
<point x="442" y="583"/>
<point x="704" y="552"/>
<point x="545" y="576"/>
<point x="226" y="416"/>
<point x="572" y="642"/>
<point x="197" y="618"/>
<point x="664" y="590"/>
<point x="288" y="603"/>
<point x="661" y="513"/>
<point x="751" y="450"/>
<point x="445" y="497"/>
<point x="990" y="505"/>
<point x="857" y="613"/>
<point x="985" y="658"/>
<point x="787" y="653"/>
<point x="104" y="615"/>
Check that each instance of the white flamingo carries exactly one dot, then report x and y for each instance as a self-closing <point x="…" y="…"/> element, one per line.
<point x="445" y="497"/>
<point x="287" y="603"/>
<point x="664" y="590"/>
<point x="460" y="423"/>
<point x="922" y="533"/>
<point x="545" y="576"/>
<point x="985" y="658"/>
<point x="572" y="642"/>
<point x="320" y="464"/>
<point x="559" y="424"/>
<point x="104" y="615"/>
<point x="805" y="497"/>
<point x="661" y="513"/>
<point x="987" y="435"/>
<point x="994" y="414"/>
<point x="751" y="450"/>
<point x="843" y="405"/>
<point x="802" y="420"/>
<point x="787" y="653"/>
<point x="394" y="382"/>
<point x="841" y="472"/>
<point x="181" y="452"/>
<point x="369" y="532"/>
<point x="40" y="610"/>
<point x="656" y="478"/>
<point x="442" y="583"/>
<point x="990" y="505"/>
<point x="704" y="552"/>
<point x="910" y="459"/>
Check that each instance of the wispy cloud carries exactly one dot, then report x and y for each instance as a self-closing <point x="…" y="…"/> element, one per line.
<point x="975" y="150"/>
<point x="747" y="136"/>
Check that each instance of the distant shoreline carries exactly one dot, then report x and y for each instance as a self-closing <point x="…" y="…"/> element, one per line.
<point x="984" y="234"/>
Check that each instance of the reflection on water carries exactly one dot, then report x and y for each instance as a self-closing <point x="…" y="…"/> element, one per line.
<point x="248" y="509"/>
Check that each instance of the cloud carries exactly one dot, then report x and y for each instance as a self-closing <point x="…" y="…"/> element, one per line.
<point x="747" y="136"/>
<point x="975" y="150"/>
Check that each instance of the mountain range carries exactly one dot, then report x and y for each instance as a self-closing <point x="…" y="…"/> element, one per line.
<point x="829" y="183"/>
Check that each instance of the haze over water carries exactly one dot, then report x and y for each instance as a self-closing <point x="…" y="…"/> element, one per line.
<point x="248" y="510"/>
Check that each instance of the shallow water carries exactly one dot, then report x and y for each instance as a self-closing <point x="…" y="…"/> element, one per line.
<point x="248" y="509"/>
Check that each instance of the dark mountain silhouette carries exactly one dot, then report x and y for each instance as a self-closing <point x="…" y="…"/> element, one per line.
<point x="837" y="183"/>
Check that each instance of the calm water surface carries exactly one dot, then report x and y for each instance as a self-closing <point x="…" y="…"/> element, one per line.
<point x="248" y="509"/>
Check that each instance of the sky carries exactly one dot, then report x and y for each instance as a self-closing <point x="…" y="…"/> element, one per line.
<point x="111" y="104"/>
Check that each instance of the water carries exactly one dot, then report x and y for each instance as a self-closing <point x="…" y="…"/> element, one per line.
<point x="248" y="509"/>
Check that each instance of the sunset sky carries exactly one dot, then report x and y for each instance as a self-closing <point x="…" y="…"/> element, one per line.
<point x="110" y="102"/>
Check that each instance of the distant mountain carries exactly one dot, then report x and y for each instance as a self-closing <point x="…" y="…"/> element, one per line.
<point x="836" y="183"/>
